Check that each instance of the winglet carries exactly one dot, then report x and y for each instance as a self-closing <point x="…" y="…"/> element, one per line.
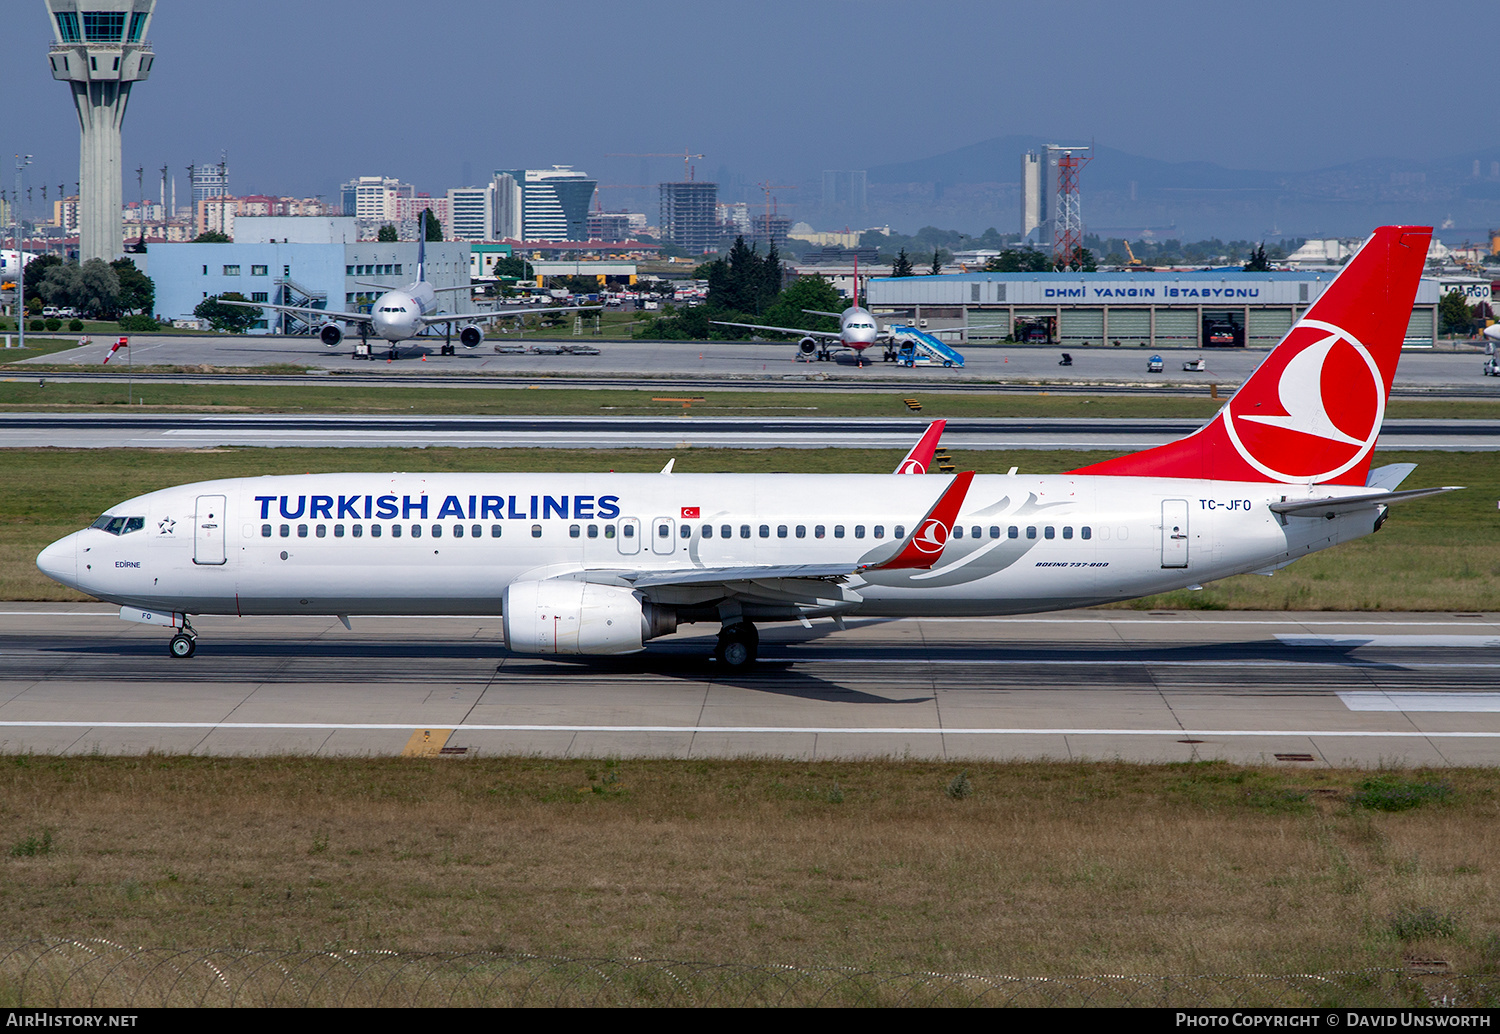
<point x="919" y="460"/>
<point x="926" y="543"/>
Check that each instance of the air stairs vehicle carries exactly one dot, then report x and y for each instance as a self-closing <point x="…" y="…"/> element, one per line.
<point x="910" y="347"/>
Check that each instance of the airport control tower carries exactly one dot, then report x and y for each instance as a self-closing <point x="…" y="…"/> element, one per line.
<point x="101" y="51"/>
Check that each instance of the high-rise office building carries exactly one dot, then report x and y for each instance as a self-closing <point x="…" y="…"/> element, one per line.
<point x="471" y="211"/>
<point x="1032" y="204"/>
<point x="844" y="191"/>
<point x="554" y="203"/>
<point x="689" y="215"/>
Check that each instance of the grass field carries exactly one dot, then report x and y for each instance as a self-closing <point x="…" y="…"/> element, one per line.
<point x="1433" y="554"/>
<point x="1041" y="869"/>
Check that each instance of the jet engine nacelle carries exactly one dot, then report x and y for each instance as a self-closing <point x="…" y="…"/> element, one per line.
<point x="808" y="345"/>
<point x="330" y="335"/>
<point x="567" y="617"/>
<point x="470" y="336"/>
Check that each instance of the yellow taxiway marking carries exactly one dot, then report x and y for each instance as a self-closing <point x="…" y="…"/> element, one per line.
<point x="426" y="743"/>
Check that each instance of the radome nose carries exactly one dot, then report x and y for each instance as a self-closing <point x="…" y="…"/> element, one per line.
<point x="59" y="561"/>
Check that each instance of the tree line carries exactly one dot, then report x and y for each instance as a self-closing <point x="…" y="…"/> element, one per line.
<point x="748" y="287"/>
<point x="96" y="289"/>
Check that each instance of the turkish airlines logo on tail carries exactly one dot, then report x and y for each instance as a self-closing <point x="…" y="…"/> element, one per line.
<point x="912" y="467"/>
<point x="1313" y="409"/>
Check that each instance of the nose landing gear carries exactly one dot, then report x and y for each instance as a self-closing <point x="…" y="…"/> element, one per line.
<point x="185" y="642"/>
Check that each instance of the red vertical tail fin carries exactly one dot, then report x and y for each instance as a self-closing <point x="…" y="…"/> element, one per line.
<point x="1311" y="412"/>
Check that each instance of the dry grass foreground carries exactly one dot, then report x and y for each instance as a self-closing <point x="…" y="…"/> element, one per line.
<point x="1025" y="869"/>
<point x="1434" y="554"/>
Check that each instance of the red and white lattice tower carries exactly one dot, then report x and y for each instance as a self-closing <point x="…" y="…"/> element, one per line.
<point x="1067" y="220"/>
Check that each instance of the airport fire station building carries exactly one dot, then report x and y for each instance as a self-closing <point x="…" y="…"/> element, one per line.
<point x="1190" y="309"/>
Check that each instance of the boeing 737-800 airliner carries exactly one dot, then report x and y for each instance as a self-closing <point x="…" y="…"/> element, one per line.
<point x="601" y="563"/>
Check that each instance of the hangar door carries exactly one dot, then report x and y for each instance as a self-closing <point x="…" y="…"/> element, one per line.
<point x="1081" y="325"/>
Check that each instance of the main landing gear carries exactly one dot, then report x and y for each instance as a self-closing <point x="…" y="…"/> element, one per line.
<point x="737" y="646"/>
<point x="185" y="642"/>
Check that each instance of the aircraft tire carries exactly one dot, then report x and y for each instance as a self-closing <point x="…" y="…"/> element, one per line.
<point x="182" y="646"/>
<point x="738" y="646"/>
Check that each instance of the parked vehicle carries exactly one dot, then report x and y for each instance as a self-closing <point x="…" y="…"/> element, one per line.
<point x="1492" y="366"/>
<point x="1195" y="365"/>
<point x="1153" y="364"/>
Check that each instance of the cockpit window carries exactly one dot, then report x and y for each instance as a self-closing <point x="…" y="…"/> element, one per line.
<point x="119" y="525"/>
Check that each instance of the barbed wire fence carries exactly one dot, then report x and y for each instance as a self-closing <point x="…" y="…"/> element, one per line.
<point x="101" y="974"/>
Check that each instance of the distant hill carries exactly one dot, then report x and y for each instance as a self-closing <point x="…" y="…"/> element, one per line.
<point x="999" y="161"/>
<point x="1197" y="198"/>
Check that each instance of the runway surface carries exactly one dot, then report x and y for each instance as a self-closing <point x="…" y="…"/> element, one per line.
<point x="746" y="363"/>
<point x="192" y="431"/>
<point x="1293" y="689"/>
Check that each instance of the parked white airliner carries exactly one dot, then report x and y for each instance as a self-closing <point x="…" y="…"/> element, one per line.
<point x="405" y="313"/>
<point x="600" y="563"/>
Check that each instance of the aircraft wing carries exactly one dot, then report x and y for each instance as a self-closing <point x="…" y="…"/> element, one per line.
<point x="327" y="314"/>
<point x="783" y="330"/>
<point x="919" y="550"/>
<point x="488" y="315"/>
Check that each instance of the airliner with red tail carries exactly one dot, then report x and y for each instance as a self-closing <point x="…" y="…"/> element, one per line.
<point x="601" y="563"/>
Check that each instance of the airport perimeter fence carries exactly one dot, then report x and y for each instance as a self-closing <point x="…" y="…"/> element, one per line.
<point x="99" y="974"/>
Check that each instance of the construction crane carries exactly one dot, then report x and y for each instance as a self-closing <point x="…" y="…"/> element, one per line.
<point x="768" y="186"/>
<point x="686" y="156"/>
<point x="1133" y="260"/>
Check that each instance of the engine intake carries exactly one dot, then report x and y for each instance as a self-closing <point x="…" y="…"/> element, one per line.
<point x="566" y="617"/>
<point x="470" y="336"/>
<point x="808" y="345"/>
<point x="330" y="335"/>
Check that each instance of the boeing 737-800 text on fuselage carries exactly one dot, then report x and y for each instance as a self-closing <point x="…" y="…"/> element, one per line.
<point x="601" y="563"/>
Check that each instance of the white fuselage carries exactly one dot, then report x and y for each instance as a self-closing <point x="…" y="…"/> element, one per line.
<point x="396" y="315"/>
<point x="857" y="328"/>
<point x="452" y="543"/>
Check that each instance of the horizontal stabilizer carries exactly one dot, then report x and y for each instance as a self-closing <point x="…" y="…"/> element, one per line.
<point x="1332" y="506"/>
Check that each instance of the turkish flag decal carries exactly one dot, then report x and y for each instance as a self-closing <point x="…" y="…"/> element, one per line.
<point x="689" y="513"/>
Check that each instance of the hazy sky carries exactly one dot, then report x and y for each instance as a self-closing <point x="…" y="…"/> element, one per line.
<point x="305" y="95"/>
